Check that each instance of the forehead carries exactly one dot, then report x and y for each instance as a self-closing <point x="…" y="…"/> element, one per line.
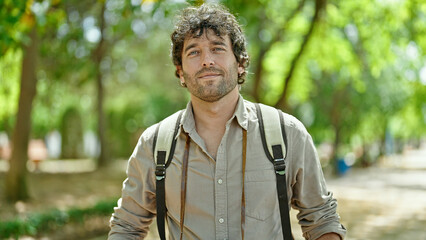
<point x="206" y="35"/>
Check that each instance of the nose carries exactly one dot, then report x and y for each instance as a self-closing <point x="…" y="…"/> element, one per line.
<point x="208" y="60"/>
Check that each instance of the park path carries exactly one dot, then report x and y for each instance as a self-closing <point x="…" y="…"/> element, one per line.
<point x="387" y="201"/>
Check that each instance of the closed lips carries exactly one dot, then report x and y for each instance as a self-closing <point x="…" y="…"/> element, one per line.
<point x="207" y="75"/>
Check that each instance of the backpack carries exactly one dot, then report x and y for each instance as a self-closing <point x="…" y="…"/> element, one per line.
<point x="274" y="143"/>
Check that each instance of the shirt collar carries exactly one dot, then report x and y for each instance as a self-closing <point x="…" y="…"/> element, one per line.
<point x="188" y="120"/>
<point x="241" y="114"/>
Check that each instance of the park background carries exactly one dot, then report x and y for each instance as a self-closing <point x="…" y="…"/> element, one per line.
<point x="81" y="80"/>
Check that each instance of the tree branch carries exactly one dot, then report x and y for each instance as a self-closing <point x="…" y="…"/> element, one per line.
<point x="282" y="101"/>
<point x="258" y="72"/>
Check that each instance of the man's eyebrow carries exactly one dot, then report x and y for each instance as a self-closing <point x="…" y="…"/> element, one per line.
<point x="221" y="43"/>
<point x="190" y="46"/>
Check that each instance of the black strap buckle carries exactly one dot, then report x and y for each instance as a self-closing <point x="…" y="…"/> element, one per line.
<point x="279" y="166"/>
<point x="160" y="171"/>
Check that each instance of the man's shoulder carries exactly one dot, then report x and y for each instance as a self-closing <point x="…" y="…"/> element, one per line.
<point x="291" y="123"/>
<point x="149" y="133"/>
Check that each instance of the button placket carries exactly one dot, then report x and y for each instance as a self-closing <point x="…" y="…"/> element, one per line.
<point x="221" y="195"/>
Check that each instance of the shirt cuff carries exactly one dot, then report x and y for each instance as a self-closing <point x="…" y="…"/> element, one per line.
<point x="334" y="227"/>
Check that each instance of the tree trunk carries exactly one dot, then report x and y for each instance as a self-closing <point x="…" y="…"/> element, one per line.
<point x="365" y="158"/>
<point x="336" y="144"/>
<point x="16" y="184"/>
<point x="103" y="156"/>
<point x="258" y="72"/>
<point x="336" y="122"/>
<point x="98" y="56"/>
<point x="384" y="138"/>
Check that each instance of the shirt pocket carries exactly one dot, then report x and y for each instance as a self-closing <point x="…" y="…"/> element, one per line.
<point x="261" y="194"/>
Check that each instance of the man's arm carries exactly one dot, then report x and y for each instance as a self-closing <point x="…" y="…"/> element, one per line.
<point x="317" y="207"/>
<point x="137" y="206"/>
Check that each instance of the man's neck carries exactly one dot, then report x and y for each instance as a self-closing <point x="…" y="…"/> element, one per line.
<point x="214" y="115"/>
<point x="211" y="117"/>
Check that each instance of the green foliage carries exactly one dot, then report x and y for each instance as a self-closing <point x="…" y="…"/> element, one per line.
<point x="358" y="76"/>
<point x="9" y="88"/>
<point x="37" y="223"/>
<point x="11" y="14"/>
<point x="126" y="123"/>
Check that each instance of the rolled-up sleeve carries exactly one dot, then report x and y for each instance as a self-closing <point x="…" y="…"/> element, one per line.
<point x="317" y="207"/>
<point x="137" y="206"/>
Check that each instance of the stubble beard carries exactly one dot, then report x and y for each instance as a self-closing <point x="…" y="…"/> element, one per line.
<point x="212" y="90"/>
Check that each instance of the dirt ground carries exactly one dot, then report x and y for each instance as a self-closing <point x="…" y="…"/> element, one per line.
<point x="65" y="190"/>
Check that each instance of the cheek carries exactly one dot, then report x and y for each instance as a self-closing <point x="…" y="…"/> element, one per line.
<point x="188" y="68"/>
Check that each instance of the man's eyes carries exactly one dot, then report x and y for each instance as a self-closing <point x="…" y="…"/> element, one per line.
<point x="215" y="49"/>
<point x="193" y="53"/>
<point x="218" y="49"/>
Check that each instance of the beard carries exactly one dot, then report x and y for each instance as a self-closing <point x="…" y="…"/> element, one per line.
<point x="215" y="89"/>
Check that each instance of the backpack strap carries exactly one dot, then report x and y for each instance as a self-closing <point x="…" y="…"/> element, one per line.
<point x="164" y="148"/>
<point x="275" y="145"/>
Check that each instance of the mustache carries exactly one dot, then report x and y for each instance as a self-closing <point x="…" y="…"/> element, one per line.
<point x="210" y="70"/>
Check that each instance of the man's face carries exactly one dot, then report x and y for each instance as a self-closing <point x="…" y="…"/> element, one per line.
<point x="209" y="67"/>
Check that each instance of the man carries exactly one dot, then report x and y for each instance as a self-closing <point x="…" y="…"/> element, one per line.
<point x="209" y="53"/>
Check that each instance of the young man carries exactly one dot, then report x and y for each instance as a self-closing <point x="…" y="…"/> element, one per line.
<point x="219" y="142"/>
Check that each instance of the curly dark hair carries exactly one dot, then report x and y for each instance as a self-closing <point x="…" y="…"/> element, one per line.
<point x="194" y="20"/>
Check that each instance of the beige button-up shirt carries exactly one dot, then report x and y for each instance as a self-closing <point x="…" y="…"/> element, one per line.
<point x="214" y="187"/>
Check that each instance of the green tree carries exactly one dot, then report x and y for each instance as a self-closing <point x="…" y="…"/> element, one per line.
<point x="16" y="187"/>
<point x="24" y="22"/>
<point x="336" y="64"/>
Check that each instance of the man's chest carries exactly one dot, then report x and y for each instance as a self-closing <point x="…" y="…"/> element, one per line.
<point x="216" y="186"/>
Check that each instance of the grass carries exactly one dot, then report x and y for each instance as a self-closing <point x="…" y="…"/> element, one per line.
<point x="73" y="205"/>
<point x="37" y="223"/>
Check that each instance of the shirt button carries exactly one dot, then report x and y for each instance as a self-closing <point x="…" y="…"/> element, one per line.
<point x="221" y="220"/>
<point x="220" y="181"/>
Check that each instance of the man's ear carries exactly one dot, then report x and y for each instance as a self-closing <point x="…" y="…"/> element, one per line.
<point x="240" y="70"/>
<point x="179" y="72"/>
